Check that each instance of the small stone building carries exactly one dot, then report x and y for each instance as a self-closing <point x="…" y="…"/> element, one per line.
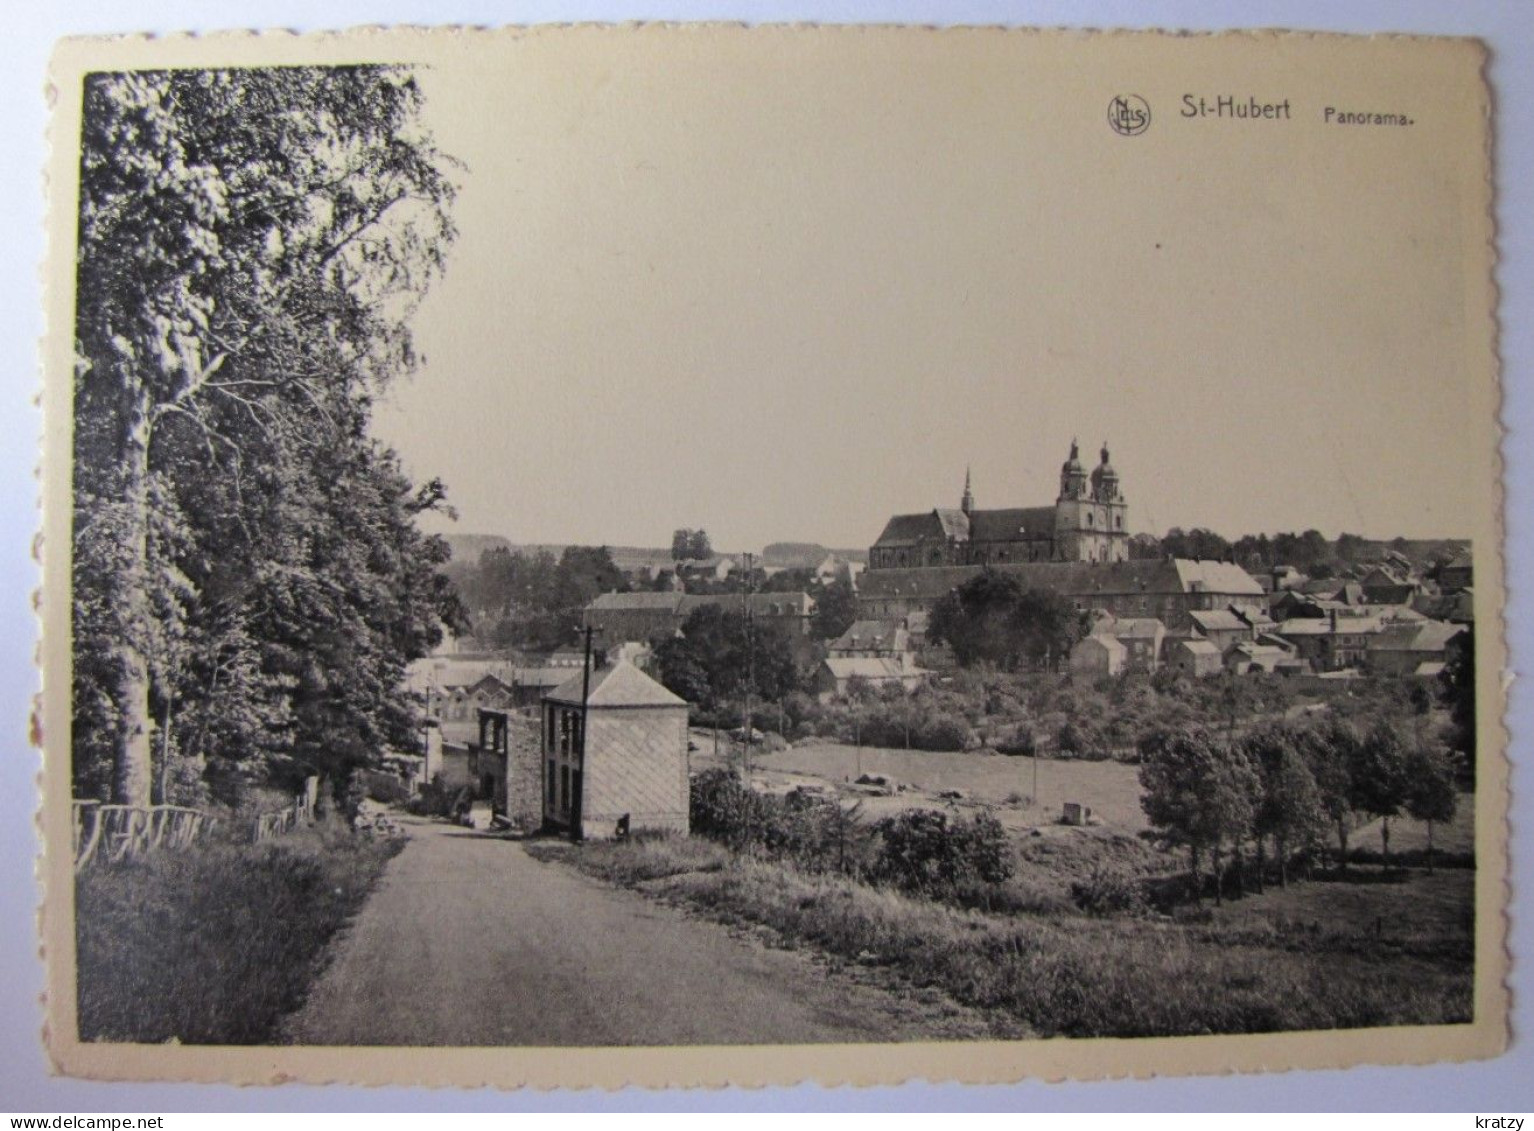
<point x="508" y="767"/>
<point x="1098" y="656"/>
<point x="620" y="762"/>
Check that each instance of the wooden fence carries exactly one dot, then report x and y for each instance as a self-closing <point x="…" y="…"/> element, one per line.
<point x="288" y="818"/>
<point x="115" y="832"/>
<point x="112" y="832"/>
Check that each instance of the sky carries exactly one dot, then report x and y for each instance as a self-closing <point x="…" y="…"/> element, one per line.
<point x="783" y="293"/>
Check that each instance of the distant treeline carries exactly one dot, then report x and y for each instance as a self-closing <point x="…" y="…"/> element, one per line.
<point x="1309" y="551"/>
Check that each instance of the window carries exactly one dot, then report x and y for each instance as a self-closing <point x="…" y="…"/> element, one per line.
<point x="552" y="737"/>
<point x="553" y="782"/>
<point x="564" y="789"/>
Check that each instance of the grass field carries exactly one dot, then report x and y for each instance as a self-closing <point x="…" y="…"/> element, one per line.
<point x="1110" y="789"/>
<point x="1318" y="955"/>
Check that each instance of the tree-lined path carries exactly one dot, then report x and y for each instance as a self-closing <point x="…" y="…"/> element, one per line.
<point x="469" y="940"/>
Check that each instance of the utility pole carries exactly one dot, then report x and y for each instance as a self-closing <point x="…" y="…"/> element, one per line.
<point x="578" y="809"/>
<point x="750" y="663"/>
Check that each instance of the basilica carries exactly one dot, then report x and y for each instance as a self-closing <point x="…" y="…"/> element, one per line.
<point x="1087" y="523"/>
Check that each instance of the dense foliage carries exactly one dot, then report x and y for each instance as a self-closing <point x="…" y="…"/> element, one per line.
<point x="991" y="619"/>
<point x="721" y="656"/>
<point x="516" y="599"/>
<point x="248" y="578"/>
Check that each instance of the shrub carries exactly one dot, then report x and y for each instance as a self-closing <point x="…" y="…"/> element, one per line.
<point x="943" y="732"/>
<point x="1082" y="738"/>
<point x="921" y="850"/>
<point x="1019" y="740"/>
<point x="1108" y="890"/>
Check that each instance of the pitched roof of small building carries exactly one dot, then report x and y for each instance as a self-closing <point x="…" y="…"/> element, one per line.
<point x="1196" y="645"/>
<point x="1218" y="620"/>
<point x="621" y="685"/>
<point x="1109" y="644"/>
<point x="1429" y="636"/>
<point x="865" y="667"/>
<point x="879" y="635"/>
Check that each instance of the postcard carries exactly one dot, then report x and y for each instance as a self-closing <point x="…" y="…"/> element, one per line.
<point x="700" y="554"/>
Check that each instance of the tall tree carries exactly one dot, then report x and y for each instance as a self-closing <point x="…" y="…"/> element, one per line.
<point x="836" y="608"/>
<point x="251" y="245"/>
<point x="1290" y="808"/>
<point x="1380" y="785"/>
<point x="1430" y="792"/>
<point x="1199" y="793"/>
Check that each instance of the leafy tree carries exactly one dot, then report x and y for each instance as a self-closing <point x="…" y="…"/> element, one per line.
<point x="1379" y="784"/>
<point x="1457" y="684"/>
<point x="251" y="244"/>
<point x="1195" y="543"/>
<point x="691" y="545"/>
<point x="721" y="655"/>
<point x="1199" y="793"/>
<point x="1330" y="752"/>
<point x="1430" y="792"/>
<point x="836" y="608"/>
<point x="1290" y="809"/>
<point x="990" y="619"/>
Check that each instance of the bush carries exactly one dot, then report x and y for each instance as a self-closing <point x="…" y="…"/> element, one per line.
<point x="943" y="732"/>
<point x="1108" y="890"/>
<point x="816" y="834"/>
<point x="1082" y="738"/>
<point x="1018" y="741"/>
<point x="920" y="850"/>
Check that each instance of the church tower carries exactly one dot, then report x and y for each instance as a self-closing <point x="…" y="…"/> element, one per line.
<point x="1091" y="520"/>
<point x="967" y="503"/>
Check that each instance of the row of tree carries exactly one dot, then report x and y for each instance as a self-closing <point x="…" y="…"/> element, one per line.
<point x="533" y="601"/>
<point x="1286" y="783"/>
<point x="248" y="578"/>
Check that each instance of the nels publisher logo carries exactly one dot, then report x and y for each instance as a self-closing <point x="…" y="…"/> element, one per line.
<point x="1129" y="114"/>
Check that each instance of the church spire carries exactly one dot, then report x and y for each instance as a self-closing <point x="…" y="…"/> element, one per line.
<point x="967" y="504"/>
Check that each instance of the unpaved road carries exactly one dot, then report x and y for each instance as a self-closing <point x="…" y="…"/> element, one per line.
<point x="468" y="940"/>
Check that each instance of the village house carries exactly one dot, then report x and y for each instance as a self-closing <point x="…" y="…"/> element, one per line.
<point x="1457" y="573"/>
<point x="506" y="766"/>
<point x="1098" y="655"/>
<point x="873" y="639"/>
<point x="836" y="676"/>
<point x="614" y="753"/>
<point x="1409" y="649"/>
<point x="1245" y="656"/>
<point x="1332" y="643"/>
<point x="1221" y="627"/>
<point x="1192" y="655"/>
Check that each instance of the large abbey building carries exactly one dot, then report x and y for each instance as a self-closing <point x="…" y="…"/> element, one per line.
<point x="1088" y="523"/>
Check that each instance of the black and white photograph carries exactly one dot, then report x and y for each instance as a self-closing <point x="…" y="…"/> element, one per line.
<point x="904" y="551"/>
